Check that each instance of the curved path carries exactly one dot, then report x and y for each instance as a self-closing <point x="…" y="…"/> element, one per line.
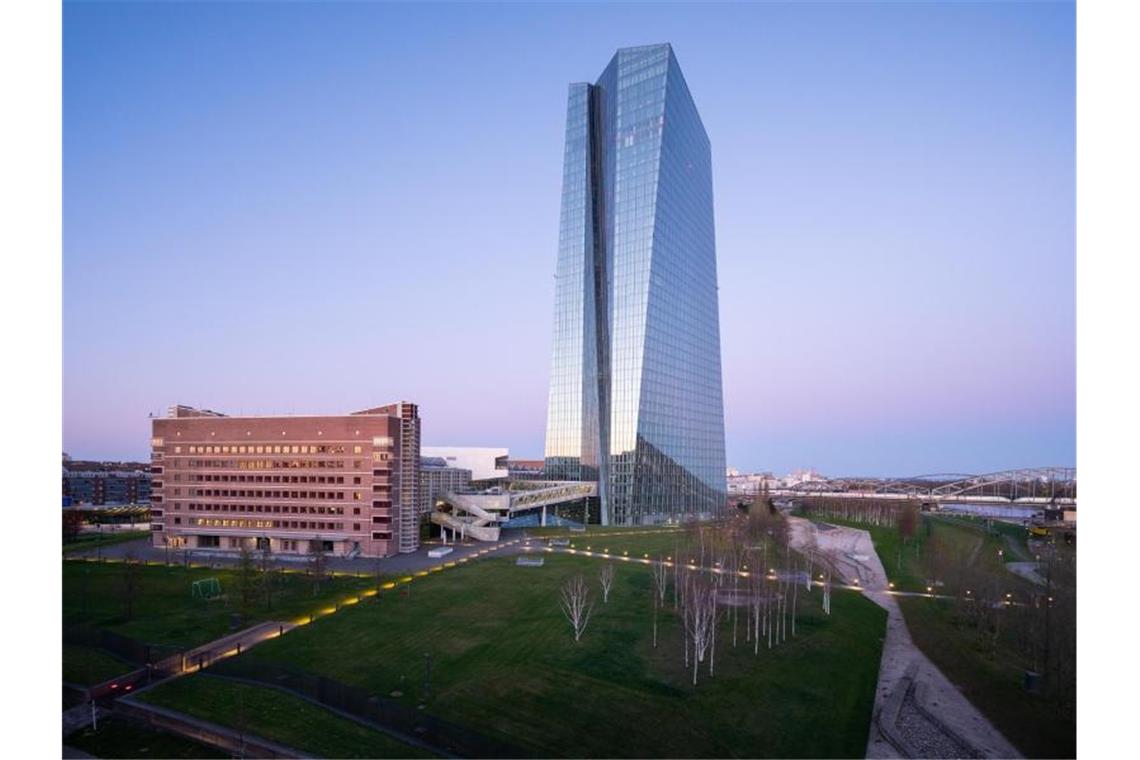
<point x="918" y="712"/>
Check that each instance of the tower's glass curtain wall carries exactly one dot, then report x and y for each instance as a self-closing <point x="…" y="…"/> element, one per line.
<point x="635" y="385"/>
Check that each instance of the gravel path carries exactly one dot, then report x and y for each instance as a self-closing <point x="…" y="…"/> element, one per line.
<point x="970" y="734"/>
<point x="926" y="736"/>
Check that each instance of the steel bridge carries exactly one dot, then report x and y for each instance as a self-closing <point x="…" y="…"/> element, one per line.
<point x="1037" y="485"/>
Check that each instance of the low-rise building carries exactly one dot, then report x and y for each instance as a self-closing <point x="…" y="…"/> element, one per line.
<point x="105" y="483"/>
<point x="347" y="484"/>
<point x="526" y="469"/>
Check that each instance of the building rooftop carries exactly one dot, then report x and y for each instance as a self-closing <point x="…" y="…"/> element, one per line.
<point x="183" y="411"/>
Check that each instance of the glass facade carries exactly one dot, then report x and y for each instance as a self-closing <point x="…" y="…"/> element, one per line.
<point x="635" y="385"/>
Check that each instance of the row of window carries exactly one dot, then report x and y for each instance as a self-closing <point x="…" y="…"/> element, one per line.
<point x="205" y="522"/>
<point x="267" y="509"/>
<point x="273" y="464"/>
<point x="318" y="495"/>
<point x="266" y="449"/>
<point x="325" y="479"/>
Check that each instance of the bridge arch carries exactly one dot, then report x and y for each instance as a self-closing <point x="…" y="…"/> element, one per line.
<point x="1032" y="483"/>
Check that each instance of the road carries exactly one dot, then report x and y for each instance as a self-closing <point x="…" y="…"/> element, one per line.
<point x="401" y="564"/>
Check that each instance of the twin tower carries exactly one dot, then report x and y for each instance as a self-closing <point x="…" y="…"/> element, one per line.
<point x="635" y="386"/>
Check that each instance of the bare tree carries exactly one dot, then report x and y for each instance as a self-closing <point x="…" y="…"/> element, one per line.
<point x="378" y="575"/>
<point x="269" y="574"/>
<point x="827" y="592"/>
<point x="246" y="578"/>
<point x="698" y="613"/>
<point x="72" y="524"/>
<point x="318" y="564"/>
<point x="576" y="605"/>
<point x="132" y="583"/>
<point x="907" y="524"/>
<point x="606" y="578"/>
<point x="795" y="583"/>
<point x="756" y="583"/>
<point x="676" y="574"/>
<point x="660" y="581"/>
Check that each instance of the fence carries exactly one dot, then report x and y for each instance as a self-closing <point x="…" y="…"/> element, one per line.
<point x="387" y="713"/>
<point x="131" y="650"/>
<point x="233" y="743"/>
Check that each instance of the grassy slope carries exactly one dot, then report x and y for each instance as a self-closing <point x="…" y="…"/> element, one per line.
<point x="118" y="738"/>
<point x="906" y="562"/>
<point x="276" y="716"/>
<point x="87" y="666"/>
<point x="504" y="663"/>
<point x="166" y="612"/>
<point x="994" y="685"/>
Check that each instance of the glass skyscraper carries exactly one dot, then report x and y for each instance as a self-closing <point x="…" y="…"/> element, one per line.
<point x="635" y="385"/>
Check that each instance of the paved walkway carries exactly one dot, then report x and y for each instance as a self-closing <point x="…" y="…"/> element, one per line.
<point x="397" y="565"/>
<point x="933" y="717"/>
<point x="227" y="646"/>
<point x="75" y="718"/>
<point x="1026" y="570"/>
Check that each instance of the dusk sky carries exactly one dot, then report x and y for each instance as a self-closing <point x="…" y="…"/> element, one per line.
<point x="318" y="208"/>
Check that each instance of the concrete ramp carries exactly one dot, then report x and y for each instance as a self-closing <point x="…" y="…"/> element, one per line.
<point x="476" y="528"/>
<point x="479" y="515"/>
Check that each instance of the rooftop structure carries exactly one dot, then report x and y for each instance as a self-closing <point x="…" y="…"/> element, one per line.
<point x="484" y="463"/>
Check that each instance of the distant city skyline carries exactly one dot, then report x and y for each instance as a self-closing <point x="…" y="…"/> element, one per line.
<point x="263" y="193"/>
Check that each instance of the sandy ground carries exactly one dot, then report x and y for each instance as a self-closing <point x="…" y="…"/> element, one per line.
<point x="854" y="555"/>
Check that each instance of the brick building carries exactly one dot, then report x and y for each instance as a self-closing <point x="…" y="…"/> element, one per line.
<point x="350" y="482"/>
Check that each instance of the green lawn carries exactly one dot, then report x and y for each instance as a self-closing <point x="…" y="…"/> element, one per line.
<point x="1038" y="726"/>
<point x="277" y="716"/>
<point x="504" y="663"/>
<point x="92" y="540"/>
<point x="118" y="738"/>
<point x="907" y="563"/>
<point x="165" y="612"/>
<point x="87" y="666"/>
<point x="635" y="543"/>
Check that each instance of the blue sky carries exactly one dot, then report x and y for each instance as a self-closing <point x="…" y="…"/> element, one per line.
<point x="259" y="199"/>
